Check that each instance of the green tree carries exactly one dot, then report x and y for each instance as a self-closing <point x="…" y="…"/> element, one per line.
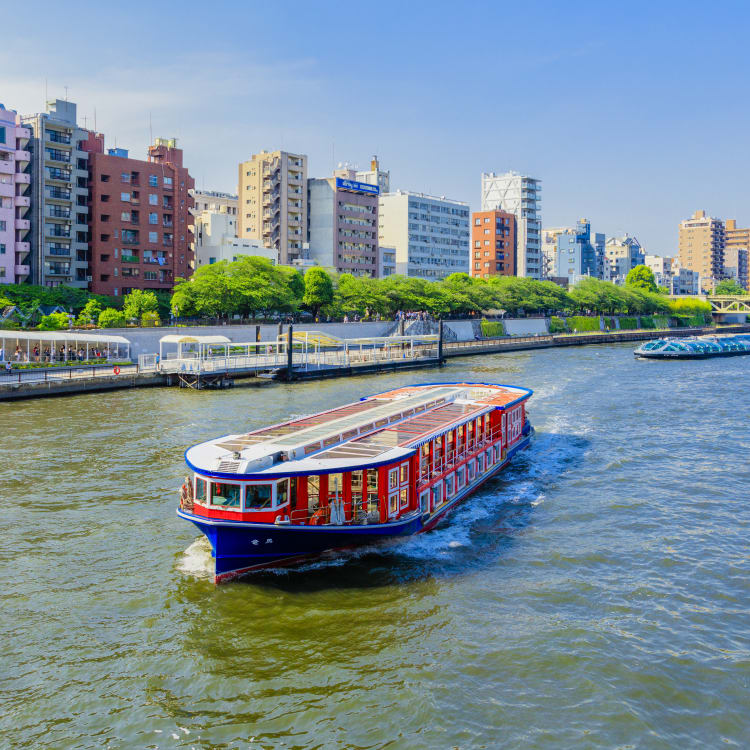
<point x="138" y="302"/>
<point x="729" y="286"/>
<point x="90" y="313"/>
<point x="111" y="318"/>
<point x="54" y="322"/>
<point x="642" y="277"/>
<point x="318" y="290"/>
<point x="150" y="319"/>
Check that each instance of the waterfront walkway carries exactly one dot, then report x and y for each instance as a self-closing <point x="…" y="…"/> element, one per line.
<point x="305" y="365"/>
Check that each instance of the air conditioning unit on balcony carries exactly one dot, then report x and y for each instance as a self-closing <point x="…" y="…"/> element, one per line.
<point x="89" y="278"/>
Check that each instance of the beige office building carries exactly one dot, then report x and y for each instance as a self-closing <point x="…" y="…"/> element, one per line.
<point x="701" y="248"/>
<point x="736" y="252"/>
<point x="272" y="198"/>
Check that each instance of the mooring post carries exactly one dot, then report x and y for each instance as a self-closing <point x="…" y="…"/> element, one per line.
<point x="289" y="370"/>
<point x="440" y="341"/>
<point x="257" y="333"/>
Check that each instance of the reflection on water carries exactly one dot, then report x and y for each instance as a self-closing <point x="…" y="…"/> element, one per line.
<point x="592" y="595"/>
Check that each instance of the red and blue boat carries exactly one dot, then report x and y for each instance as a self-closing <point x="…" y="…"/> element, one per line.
<point x="389" y="465"/>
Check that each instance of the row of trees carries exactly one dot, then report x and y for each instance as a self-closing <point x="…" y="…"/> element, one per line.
<point x="139" y="306"/>
<point x="254" y="286"/>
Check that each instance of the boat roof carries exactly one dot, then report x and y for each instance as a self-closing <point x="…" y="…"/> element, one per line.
<point x="378" y="429"/>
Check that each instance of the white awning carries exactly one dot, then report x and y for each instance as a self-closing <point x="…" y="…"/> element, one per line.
<point x="83" y="338"/>
<point x="176" y="338"/>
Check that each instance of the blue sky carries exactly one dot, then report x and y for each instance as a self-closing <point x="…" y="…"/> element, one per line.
<point x="633" y="115"/>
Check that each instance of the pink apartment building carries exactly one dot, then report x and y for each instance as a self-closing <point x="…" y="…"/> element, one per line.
<point x="14" y="198"/>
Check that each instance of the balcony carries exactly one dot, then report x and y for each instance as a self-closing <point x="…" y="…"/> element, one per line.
<point x="23" y="156"/>
<point x="22" y="201"/>
<point x="23" y="224"/>
<point x="55" y="136"/>
<point x="23" y="133"/>
<point x="22" y="178"/>
<point x="23" y="247"/>
<point x="59" y="175"/>
<point x="58" y="270"/>
<point x="22" y="269"/>
<point x="58" y="214"/>
<point x="130" y="258"/>
<point x="7" y="167"/>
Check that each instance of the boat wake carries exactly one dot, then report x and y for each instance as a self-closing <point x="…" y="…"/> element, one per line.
<point x="196" y="560"/>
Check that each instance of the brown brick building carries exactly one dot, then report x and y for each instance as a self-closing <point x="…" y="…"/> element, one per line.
<point x="493" y="244"/>
<point x="139" y="218"/>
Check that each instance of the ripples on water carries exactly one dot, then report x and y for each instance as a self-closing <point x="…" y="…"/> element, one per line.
<point x="594" y="595"/>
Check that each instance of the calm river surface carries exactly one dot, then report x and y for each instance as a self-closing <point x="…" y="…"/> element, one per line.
<point x="596" y="595"/>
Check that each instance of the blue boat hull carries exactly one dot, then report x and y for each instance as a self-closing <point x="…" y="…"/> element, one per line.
<point x="239" y="547"/>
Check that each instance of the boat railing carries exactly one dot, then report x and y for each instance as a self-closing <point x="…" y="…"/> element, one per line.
<point x="320" y="515"/>
<point x="453" y="458"/>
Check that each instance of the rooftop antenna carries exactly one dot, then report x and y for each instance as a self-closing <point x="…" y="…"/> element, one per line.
<point x="85" y="120"/>
<point x="66" y="93"/>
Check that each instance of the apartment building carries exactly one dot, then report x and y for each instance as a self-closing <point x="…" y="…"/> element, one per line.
<point x="387" y="261"/>
<point x="575" y="255"/>
<point x="140" y="217"/>
<point x="59" y="197"/>
<point x="520" y="195"/>
<point x="431" y="235"/>
<point x="493" y="244"/>
<point x="701" y="243"/>
<point x="622" y="254"/>
<point x="212" y="200"/>
<point x="662" y="267"/>
<point x="15" y="200"/>
<point x="343" y="223"/>
<point x="736" y="251"/>
<point x="272" y="192"/>
<point x="215" y="234"/>
<point x="375" y="176"/>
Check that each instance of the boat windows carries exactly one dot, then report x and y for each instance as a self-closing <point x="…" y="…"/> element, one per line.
<point x="313" y="491"/>
<point x="357" y="485"/>
<point x="335" y="486"/>
<point x="282" y="492"/>
<point x="404" y="473"/>
<point x="200" y="490"/>
<point x="471" y="470"/>
<point x="480" y="463"/>
<point x="225" y="495"/>
<point x="490" y="453"/>
<point x="460" y="477"/>
<point x="404" y="498"/>
<point x="393" y="479"/>
<point x="393" y="503"/>
<point x="450" y="481"/>
<point x="258" y="496"/>
<point x="437" y="495"/>
<point x="424" y="501"/>
<point x="498" y="452"/>
<point x="372" y="491"/>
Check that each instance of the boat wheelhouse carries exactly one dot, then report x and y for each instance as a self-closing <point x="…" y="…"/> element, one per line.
<point x="388" y="465"/>
<point x="694" y="347"/>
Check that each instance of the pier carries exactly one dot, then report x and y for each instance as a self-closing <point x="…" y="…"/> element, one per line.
<point x="207" y="362"/>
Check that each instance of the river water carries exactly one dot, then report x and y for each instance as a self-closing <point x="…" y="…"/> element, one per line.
<point x="595" y="595"/>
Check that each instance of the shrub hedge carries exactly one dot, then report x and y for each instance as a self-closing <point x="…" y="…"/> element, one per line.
<point x="628" y="324"/>
<point x="492" y="328"/>
<point x="557" y="325"/>
<point x="584" y="323"/>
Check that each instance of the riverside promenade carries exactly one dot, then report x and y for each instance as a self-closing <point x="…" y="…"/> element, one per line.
<point x="22" y="384"/>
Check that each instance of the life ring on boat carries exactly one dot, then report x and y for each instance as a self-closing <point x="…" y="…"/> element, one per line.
<point x="318" y="517"/>
<point x="117" y="370"/>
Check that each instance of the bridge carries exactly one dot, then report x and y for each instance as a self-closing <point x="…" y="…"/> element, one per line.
<point x="729" y="303"/>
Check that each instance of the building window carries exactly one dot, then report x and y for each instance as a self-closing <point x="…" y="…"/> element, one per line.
<point x="2" y="135"/>
<point x="153" y="199"/>
<point x="153" y="180"/>
<point x="153" y="237"/>
<point x="2" y="248"/>
<point x="153" y="219"/>
<point x="125" y="197"/>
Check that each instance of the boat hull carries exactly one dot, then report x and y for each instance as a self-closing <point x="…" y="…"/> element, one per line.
<point x="685" y="355"/>
<point x="240" y="548"/>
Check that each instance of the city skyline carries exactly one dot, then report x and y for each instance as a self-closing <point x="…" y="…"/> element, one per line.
<point x="615" y="135"/>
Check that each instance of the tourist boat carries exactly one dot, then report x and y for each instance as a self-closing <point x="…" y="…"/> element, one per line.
<point x="694" y="347"/>
<point x="389" y="465"/>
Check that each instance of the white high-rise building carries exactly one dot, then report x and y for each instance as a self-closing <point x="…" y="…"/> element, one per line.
<point x="519" y="195"/>
<point x="375" y="176"/>
<point x="216" y="240"/>
<point x="431" y="235"/>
